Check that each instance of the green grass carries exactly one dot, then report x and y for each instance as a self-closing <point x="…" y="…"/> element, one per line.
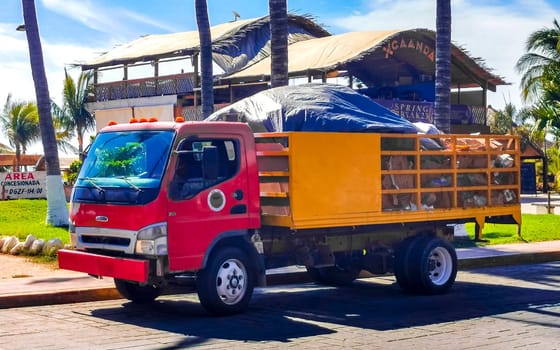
<point x="534" y="228"/>
<point x="28" y="216"/>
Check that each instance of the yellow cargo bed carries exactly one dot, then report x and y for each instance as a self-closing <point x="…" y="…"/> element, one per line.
<point x="325" y="179"/>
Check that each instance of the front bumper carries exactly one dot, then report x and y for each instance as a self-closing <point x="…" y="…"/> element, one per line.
<point x="101" y="265"/>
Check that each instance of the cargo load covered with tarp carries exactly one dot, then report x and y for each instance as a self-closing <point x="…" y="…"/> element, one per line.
<point x="313" y="107"/>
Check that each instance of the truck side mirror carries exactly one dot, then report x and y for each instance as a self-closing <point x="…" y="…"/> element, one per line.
<point x="84" y="153"/>
<point x="210" y="163"/>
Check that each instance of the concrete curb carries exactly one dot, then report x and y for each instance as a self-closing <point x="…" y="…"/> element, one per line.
<point x="58" y="297"/>
<point x="508" y="259"/>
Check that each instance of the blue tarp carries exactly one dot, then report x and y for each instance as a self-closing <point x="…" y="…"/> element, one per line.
<point x="313" y="107"/>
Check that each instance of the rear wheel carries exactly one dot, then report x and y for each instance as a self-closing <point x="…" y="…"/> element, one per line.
<point x="226" y="285"/>
<point x="401" y="262"/>
<point x="137" y="293"/>
<point x="433" y="266"/>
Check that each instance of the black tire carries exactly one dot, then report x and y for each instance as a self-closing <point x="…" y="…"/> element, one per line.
<point x="136" y="293"/>
<point x="333" y="275"/>
<point x="401" y="262"/>
<point x="226" y="285"/>
<point x="433" y="266"/>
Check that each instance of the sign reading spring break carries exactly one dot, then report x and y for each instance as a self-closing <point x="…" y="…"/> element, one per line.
<point x="24" y="185"/>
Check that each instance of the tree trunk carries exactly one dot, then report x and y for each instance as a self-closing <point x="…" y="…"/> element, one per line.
<point x="442" y="106"/>
<point x="278" y="42"/>
<point x="80" y="137"/>
<point x="17" y="165"/>
<point x="206" y="74"/>
<point x="57" y="211"/>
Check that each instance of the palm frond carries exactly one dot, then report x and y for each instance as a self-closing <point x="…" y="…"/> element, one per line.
<point x="540" y="64"/>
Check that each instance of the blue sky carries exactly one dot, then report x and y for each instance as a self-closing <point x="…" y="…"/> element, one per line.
<point x="77" y="30"/>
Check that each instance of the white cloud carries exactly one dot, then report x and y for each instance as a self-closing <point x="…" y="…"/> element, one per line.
<point x="494" y="31"/>
<point x="117" y="22"/>
<point x="15" y="69"/>
<point x="59" y="56"/>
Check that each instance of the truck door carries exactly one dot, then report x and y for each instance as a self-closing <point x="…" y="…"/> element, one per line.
<point x="208" y="197"/>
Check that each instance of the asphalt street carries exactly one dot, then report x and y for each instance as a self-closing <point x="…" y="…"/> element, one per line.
<point x="490" y="308"/>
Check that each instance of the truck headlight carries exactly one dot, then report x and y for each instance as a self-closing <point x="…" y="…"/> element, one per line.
<point x="152" y="240"/>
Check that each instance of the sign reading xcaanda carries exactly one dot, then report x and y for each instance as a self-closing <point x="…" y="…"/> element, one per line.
<point x="24" y="185"/>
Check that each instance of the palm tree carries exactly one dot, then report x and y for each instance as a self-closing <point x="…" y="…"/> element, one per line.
<point x="546" y="122"/>
<point x="57" y="211"/>
<point x="541" y="62"/>
<point x="442" y="107"/>
<point x="278" y="42"/>
<point x="553" y="164"/>
<point x="20" y="124"/>
<point x="75" y="116"/>
<point x="63" y="134"/>
<point x="512" y="120"/>
<point x="503" y="120"/>
<point x="545" y="115"/>
<point x="206" y="74"/>
<point x="5" y="148"/>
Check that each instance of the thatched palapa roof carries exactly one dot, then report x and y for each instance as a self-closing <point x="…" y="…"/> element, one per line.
<point x="375" y="58"/>
<point x="234" y="44"/>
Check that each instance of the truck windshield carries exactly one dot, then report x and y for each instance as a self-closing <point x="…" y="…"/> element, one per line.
<point x="124" y="167"/>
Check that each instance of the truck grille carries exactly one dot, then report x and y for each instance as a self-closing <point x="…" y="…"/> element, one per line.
<point x="106" y="238"/>
<point x="118" y="241"/>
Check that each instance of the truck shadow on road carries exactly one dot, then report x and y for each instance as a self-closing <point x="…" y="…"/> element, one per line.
<point x="283" y="313"/>
<point x="545" y="274"/>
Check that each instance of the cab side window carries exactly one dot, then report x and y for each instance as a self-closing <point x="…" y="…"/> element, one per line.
<point x="201" y="164"/>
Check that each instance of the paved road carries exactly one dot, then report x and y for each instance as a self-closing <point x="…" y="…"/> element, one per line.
<point x="492" y="308"/>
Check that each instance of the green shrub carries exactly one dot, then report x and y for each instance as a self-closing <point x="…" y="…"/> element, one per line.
<point x="72" y="173"/>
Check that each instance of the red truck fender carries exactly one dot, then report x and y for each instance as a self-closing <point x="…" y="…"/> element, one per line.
<point x="249" y="242"/>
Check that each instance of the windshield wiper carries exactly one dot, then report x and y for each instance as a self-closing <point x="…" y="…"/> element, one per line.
<point x="127" y="180"/>
<point x="100" y="189"/>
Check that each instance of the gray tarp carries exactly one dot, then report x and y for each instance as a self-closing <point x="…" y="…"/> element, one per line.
<point x="313" y="107"/>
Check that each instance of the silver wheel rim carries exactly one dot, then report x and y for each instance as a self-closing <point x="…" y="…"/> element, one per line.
<point x="440" y="266"/>
<point x="231" y="281"/>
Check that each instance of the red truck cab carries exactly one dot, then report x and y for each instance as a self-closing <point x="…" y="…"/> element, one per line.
<point x="153" y="199"/>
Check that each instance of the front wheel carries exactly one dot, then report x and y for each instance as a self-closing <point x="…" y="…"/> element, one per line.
<point x="137" y="293"/>
<point x="226" y="285"/>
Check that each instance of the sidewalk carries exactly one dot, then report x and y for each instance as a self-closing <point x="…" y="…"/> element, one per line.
<point x="70" y="287"/>
<point x="541" y="203"/>
<point x="73" y="287"/>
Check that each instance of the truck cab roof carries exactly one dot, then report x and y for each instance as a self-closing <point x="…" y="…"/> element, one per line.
<point x="196" y="126"/>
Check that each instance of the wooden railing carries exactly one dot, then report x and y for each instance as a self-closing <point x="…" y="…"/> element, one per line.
<point x="479" y="115"/>
<point x="153" y="86"/>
